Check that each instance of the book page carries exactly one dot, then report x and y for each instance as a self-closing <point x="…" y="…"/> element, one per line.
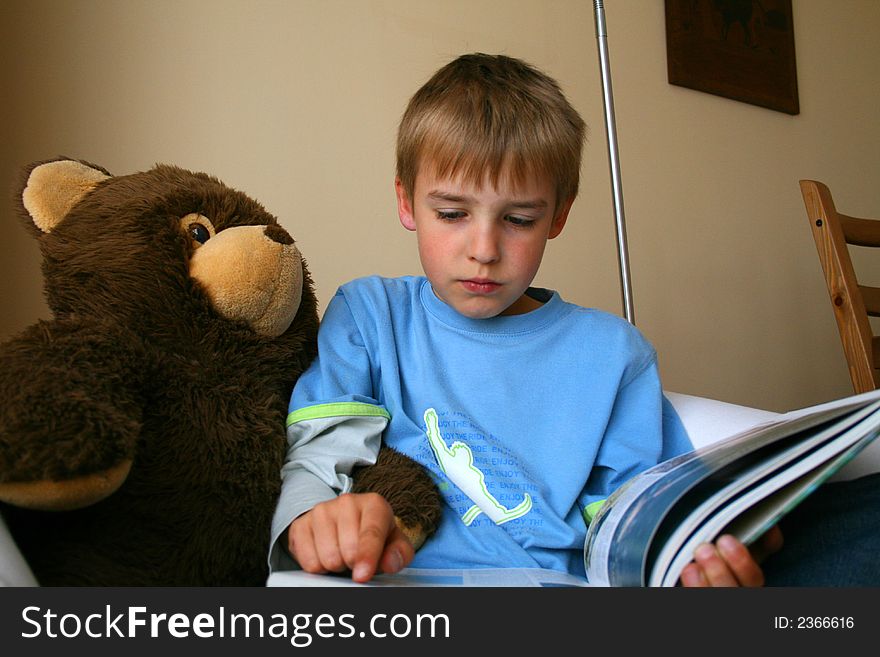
<point x="454" y="577"/>
<point x="750" y="515"/>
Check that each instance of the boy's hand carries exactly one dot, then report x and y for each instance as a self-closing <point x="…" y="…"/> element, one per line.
<point x="730" y="563"/>
<point x="353" y="531"/>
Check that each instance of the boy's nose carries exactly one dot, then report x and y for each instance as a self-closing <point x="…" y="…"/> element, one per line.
<point x="484" y="247"/>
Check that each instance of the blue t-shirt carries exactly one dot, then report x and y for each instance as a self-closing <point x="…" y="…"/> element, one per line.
<point x="526" y="422"/>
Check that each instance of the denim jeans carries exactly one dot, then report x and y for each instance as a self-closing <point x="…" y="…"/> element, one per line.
<point x="832" y="538"/>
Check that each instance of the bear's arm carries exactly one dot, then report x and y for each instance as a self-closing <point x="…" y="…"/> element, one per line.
<point x="409" y="489"/>
<point x="70" y="416"/>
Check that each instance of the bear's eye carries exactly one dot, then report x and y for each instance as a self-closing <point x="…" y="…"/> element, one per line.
<point x="198" y="228"/>
<point x="199" y="233"/>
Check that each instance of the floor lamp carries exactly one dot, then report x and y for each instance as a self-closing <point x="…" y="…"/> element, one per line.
<point x="614" y="161"/>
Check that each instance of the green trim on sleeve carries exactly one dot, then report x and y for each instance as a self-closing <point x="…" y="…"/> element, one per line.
<point x="591" y="510"/>
<point x="337" y="409"/>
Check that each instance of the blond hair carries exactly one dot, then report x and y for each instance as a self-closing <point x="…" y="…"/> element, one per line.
<point x="481" y="115"/>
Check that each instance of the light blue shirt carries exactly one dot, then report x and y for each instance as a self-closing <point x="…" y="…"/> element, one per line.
<point x="524" y="421"/>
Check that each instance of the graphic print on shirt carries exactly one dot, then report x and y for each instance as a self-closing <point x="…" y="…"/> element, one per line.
<point x="457" y="462"/>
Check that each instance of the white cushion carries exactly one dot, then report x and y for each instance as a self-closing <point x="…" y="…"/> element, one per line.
<point x="14" y="570"/>
<point x="709" y="420"/>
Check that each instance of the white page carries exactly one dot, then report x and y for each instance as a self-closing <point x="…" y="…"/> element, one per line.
<point x="452" y="577"/>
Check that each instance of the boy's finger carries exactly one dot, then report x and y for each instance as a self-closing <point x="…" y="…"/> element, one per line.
<point x="714" y="568"/>
<point x="370" y="548"/>
<point x="376" y="525"/>
<point x="301" y="546"/>
<point x="767" y="544"/>
<point x="326" y="539"/>
<point x="348" y="525"/>
<point x="740" y="561"/>
<point x="398" y="552"/>
<point x="692" y="576"/>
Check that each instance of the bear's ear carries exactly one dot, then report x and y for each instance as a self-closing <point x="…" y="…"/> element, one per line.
<point x="53" y="188"/>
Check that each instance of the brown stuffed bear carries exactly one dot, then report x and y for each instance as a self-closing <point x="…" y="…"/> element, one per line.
<point x="142" y="429"/>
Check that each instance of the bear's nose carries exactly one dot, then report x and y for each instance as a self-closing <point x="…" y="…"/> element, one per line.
<point x="277" y="234"/>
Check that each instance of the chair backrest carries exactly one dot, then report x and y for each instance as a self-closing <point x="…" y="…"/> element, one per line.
<point x="852" y="302"/>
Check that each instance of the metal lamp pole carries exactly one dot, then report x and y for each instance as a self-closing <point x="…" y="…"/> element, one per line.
<point x="614" y="161"/>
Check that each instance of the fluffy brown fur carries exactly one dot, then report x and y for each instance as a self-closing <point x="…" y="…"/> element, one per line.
<point x="412" y="495"/>
<point x="137" y="365"/>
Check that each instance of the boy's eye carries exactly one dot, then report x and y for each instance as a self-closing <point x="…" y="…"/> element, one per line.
<point x="449" y="215"/>
<point x="521" y="222"/>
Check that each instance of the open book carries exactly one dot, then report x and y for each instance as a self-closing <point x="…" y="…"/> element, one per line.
<point x="451" y="577"/>
<point x="647" y="531"/>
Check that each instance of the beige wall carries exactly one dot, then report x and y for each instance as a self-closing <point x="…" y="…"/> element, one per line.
<point x="297" y="102"/>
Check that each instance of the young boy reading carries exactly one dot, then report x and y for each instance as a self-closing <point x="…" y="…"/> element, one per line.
<point x="528" y="410"/>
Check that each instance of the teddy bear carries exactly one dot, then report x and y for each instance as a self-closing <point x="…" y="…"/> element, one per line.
<point x="142" y="426"/>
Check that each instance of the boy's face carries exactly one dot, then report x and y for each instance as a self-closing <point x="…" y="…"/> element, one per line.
<point x="481" y="246"/>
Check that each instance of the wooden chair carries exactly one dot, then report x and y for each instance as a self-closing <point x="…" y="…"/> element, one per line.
<point x="852" y="302"/>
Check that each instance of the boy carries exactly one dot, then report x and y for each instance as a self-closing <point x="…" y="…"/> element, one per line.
<point x="528" y="410"/>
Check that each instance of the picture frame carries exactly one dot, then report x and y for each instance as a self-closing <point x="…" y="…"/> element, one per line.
<point x="738" y="49"/>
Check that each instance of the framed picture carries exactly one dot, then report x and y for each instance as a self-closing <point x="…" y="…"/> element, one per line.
<point x="739" y="49"/>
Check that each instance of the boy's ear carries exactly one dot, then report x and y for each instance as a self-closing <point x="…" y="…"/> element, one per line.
<point x="404" y="206"/>
<point x="560" y="219"/>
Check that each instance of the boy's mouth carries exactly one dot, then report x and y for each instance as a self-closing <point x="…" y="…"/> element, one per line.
<point x="480" y="285"/>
